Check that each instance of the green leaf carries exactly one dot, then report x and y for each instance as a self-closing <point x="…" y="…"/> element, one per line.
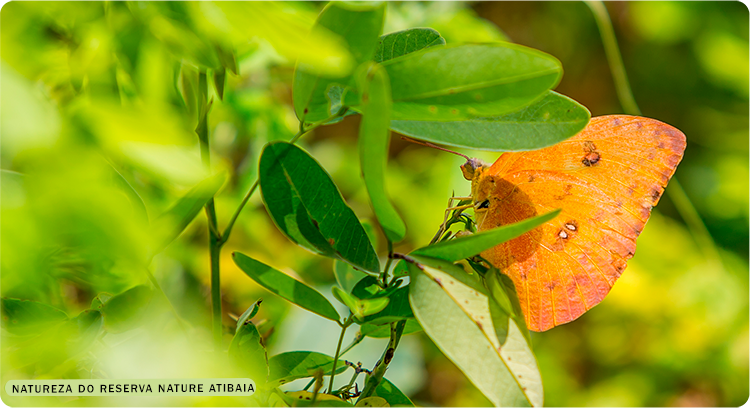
<point x="360" y="307"/>
<point x="367" y="287"/>
<point x="392" y="394"/>
<point x="308" y="208"/>
<point x="249" y="314"/>
<point x="88" y="324"/>
<point x="122" y="312"/>
<point x="550" y="120"/>
<point x="404" y="42"/>
<point x="398" y="308"/>
<point x="359" y="25"/>
<point x="286" y="286"/>
<point x="135" y="199"/>
<point x="384" y="331"/>
<point x="286" y="367"/>
<point x="401" y="269"/>
<point x="503" y="292"/>
<point x="455" y="82"/>
<point x="346" y="275"/>
<point x="171" y="224"/>
<point x="220" y="79"/>
<point x="372" y="402"/>
<point x="374" y="138"/>
<point x="304" y="399"/>
<point x="470" y="245"/>
<point x="471" y="330"/>
<point x="285" y="27"/>
<point x="247" y="350"/>
<point x="24" y="317"/>
<point x="100" y="300"/>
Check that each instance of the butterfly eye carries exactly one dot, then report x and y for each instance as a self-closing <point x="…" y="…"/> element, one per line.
<point x="483" y="204"/>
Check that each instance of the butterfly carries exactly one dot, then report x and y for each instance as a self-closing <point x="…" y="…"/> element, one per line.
<point x="606" y="180"/>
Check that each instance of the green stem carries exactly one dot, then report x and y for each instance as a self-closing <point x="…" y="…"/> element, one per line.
<point x="622" y="86"/>
<point x="388" y="263"/>
<point x="214" y="238"/>
<point x="358" y="339"/>
<point x="675" y="192"/>
<point x="338" y="350"/>
<point x="693" y="220"/>
<point x="302" y="131"/>
<point x="397" y="330"/>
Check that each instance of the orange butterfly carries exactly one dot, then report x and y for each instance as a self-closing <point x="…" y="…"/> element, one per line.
<point x="606" y="179"/>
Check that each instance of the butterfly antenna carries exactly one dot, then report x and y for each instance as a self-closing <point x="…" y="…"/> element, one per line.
<point x="434" y="146"/>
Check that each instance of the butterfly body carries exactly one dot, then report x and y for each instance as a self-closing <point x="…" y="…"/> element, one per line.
<point x="606" y="180"/>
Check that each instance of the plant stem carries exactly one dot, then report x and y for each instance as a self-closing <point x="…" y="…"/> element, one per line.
<point x="397" y="329"/>
<point x="358" y="339"/>
<point x="694" y="222"/>
<point x="388" y="263"/>
<point x="607" y="32"/>
<point x="338" y="349"/>
<point x="302" y="131"/>
<point x="682" y="202"/>
<point x="213" y="232"/>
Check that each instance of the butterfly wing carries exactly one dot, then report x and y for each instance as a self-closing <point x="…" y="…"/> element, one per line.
<point x="606" y="179"/>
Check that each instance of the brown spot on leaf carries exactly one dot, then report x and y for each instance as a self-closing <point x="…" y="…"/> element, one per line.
<point x="331" y="241"/>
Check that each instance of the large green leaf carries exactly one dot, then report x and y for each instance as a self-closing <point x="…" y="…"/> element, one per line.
<point x="122" y="312"/>
<point x="286" y="367"/>
<point x="384" y="331"/>
<point x="170" y="224"/>
<point x="308" y="208"/>
<point x="392" y="394"/>
<point x="552" y="119"/>
<point x="359" y="25"/>
<point x="470" y="329"/>
<point x="454" y="82"/>
<point x="405" y="42"/>
<point x="24" y="317"/>
<point x="286" y="286"/>
<point x="247" y="350"/>
<point x="374" y="138"/>
<point x="470" y="245"/>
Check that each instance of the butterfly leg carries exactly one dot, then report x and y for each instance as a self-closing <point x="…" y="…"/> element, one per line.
<point x="444" y="226"/>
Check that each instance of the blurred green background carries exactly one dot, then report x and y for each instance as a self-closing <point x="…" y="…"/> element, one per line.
<point x="90" y="90"/>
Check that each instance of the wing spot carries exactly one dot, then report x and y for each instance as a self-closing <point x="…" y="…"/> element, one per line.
<point x="591" y="156"/>
<point x="655" y="194"/>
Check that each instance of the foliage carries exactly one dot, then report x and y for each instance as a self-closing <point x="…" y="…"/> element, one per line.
<point x="130" y="119"/>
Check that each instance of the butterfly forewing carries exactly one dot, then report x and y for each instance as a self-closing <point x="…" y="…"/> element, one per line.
<point x="606" y="179"/>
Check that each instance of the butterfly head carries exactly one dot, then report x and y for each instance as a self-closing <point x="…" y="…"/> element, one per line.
<point x="472" y="168"/>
